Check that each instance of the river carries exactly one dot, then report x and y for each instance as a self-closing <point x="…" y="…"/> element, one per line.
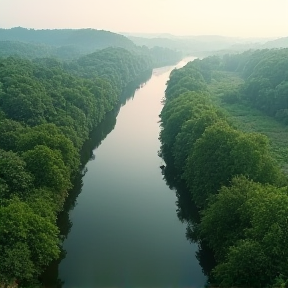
<point x="125" y="230"/>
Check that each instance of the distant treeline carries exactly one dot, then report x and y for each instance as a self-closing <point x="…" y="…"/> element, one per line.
<point x="233" y="182"/>
<point x="204" y="45"/>
<point x="87" y="40"/>
<point x="47" y="110"/>
<point x="69" y="44"/>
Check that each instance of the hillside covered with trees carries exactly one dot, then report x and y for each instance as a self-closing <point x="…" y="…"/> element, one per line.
<point x="87" y="40"/>
<point x="228" y="170"/>
<point x="70" y="44"/>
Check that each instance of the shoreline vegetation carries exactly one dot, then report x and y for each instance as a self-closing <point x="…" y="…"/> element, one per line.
<point x="48" y="107"/>
<point x="228" y="165"/>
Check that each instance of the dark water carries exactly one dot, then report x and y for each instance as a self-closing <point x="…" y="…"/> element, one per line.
<point x="125" y="230"/>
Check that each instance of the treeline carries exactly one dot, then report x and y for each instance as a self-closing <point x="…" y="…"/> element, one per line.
<point x="233" y="183"/>
<point x="69" y="44"/>
<point x="47" y="110"/>
<point x="86" y="40"/>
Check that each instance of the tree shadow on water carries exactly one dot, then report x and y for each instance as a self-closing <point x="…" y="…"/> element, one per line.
<point x="187" y="212"/>
<point x="50" y="277"/>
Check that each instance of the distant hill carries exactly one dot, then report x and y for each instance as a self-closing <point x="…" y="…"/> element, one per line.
<point x="85" y="40"/>
<point x="149" y="35"/>
<point x="68" y="44"/>
<point x="278" y="43"/>
<point x="201" y="45"/>
<point x="189" y="44"/>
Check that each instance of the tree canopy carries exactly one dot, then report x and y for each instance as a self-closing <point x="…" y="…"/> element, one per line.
<point x="231" y="191"/>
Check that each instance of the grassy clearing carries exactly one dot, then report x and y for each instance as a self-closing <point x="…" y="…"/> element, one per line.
<point x="249" y="119"/>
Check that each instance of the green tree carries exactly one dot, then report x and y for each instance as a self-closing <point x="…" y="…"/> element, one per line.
<point x="190" y="132"/>
<point x="246" y="226"/>
<point x="222" y="153"/>
<point x="27" y="242"/>
<point x="14" y="177"/>
<point x="48" y="168"/>
<point x="10" y="131"/>
<point x="245" y="266"/>
<point x="50" y="136"/>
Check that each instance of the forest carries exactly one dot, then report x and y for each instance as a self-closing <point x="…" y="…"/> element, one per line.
<point x="48" y="108"/>
<point x="223" y="138"/>
<point x="70" y="44"/>
<point x="85" y="40"/>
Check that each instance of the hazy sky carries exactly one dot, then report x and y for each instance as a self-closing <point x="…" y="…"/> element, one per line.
<point x="245" y="18"/>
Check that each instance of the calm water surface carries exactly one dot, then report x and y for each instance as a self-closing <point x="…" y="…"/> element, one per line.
<point x="125" y="229"/>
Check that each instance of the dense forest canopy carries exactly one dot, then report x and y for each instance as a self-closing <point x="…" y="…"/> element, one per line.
<point x="227" y="174"/>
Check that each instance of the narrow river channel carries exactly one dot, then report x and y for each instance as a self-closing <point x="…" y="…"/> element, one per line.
<point x="125" y="229"/>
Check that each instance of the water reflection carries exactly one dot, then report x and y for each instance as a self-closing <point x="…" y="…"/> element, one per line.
<point x="108" y="124"/>
<point x="50" y="278"/>
<point x="206" y="259"/>
<point x="188" y="213"/>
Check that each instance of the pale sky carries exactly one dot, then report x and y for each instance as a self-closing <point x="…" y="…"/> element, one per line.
<point x="240" y="18"/>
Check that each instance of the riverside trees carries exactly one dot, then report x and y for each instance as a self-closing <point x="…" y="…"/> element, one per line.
<point x="47" y="110"/>
<point x="231" y="175"/>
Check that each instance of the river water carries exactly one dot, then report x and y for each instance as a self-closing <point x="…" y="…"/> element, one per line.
<point x="125" y="230"/>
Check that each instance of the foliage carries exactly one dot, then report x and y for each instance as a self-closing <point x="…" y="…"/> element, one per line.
<point x="221" y="153"/>
<point x="28" y="241"/>
<point x="250" y="237"/>
<point x="228" y="169"/>
<point x="266" y="80"/>
<point x="14" y="176"/>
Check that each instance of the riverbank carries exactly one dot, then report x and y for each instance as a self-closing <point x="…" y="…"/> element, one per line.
<point x="231" y="179"/>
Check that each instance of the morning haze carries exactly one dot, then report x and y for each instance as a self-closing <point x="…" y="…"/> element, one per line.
<point x="240" y="18"/>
